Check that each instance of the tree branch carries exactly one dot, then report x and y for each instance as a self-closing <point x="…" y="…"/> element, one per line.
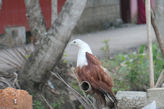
<point x="48" y="104"/>
<point x="157" y="33"/>
<point x="82" y="99"/>
<point x="51" y="48"/>
<point x="35" y="18"/>
<point x="160" y="79"/>
<point x="54" y="8"/>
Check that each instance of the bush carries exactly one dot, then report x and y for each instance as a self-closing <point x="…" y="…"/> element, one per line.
<point x="130" y="71"/>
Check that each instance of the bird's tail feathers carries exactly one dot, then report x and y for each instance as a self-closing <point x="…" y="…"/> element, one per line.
<point x="110" y="98"/>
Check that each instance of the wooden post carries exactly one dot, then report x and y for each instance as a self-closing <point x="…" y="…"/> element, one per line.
<point x="149" y="38"/>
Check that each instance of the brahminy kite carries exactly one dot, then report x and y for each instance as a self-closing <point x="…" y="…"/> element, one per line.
<point x="90" y="69"/>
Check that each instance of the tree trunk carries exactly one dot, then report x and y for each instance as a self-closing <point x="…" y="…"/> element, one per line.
<point x="50" y="49"/>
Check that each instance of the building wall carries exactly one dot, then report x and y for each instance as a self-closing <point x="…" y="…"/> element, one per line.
<point x="13" y="13"/>
<point x="98" y="14"/>
<point x="133" y="11"/>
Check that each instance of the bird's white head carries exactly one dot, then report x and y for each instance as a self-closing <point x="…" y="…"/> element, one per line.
<point x="79" y="43"/>
<point x="83" y="48"/>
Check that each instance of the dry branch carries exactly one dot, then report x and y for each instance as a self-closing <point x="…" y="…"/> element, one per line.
<point x="82" y="99"/>
<point x="160" y="79"/>
<point x="161" y="45"/>
<point x="48" y="104"/>
<point x="157" y="33"/>
<point x="4" y="80"/>
<point x="7" y="80"/>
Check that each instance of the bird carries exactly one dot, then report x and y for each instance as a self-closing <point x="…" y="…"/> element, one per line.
<point x="89" y="69"/>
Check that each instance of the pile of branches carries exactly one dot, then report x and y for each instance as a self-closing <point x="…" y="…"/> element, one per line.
<point x="9" y="79"/>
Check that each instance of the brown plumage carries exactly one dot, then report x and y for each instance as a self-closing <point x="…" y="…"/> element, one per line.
<point x="101" y="82"/>
<point x="89" y="70"/>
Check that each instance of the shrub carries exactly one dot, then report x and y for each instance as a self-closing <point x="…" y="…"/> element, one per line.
<point x="130" y="71"/>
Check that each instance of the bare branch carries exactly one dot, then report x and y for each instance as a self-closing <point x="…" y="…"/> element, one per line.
<point x="157" y="33"/>
<point x="15" y="82"/>
<point x="50" y="107"/>
<point x="160" y="79"/>
<point x="5" y="81"/>
<point x="35" y="18"/>
<point x="83" y="100"/>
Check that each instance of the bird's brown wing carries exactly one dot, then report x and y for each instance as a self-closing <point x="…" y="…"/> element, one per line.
<point x="92" y="59"/>
<point x="99" y="74"/>
<point x="94" y="73"/>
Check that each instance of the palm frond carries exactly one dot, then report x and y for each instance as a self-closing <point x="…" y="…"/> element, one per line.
<point x="11" y="60"/>
<point x="14" y="58"/>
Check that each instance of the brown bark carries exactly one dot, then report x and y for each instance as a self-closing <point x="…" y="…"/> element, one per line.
<point x="50" y="49"/>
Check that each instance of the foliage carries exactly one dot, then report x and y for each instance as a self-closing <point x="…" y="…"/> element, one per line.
<point x="75" y="85"/>
<point x="106" y="48"/>
<point x="58" y="104"/>
<point x="65" y="55"/>
<point x="37" y="105"/>
<point x="81" y="106"/>
<point x="130" y="71"/>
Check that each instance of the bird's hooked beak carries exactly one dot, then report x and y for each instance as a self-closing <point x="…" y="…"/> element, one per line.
<point x="75" y="42"/>
<point x="70" y="43"/>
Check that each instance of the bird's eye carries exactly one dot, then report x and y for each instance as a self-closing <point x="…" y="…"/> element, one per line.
<point x="74" y="42"/>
